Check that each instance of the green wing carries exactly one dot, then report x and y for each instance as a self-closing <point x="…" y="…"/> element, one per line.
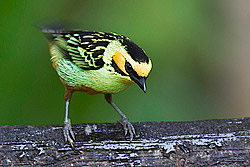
<point x="83" y="48"/>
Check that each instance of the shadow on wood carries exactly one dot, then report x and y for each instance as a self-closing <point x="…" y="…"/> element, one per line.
<point x="199" y="143"/>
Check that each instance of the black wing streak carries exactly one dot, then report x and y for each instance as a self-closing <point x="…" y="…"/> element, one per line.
<point x="93" y="59"/>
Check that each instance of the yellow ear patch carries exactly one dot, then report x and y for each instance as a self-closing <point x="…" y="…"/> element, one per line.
<point x="120" y="61"/>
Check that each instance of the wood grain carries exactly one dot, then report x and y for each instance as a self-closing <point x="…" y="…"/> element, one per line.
<point x="198" y="143"/>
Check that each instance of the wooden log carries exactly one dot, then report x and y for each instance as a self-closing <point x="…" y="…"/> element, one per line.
<point x="199" y="143"/>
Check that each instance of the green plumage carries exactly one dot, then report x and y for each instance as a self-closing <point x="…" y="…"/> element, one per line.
<point x="76" y="70"/>
<point x="100" y="80"/>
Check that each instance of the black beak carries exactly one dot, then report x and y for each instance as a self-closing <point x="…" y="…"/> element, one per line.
<point x="141" y="82"/>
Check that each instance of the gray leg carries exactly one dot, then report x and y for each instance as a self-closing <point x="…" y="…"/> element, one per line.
<point x="128" y="127"/>
<point x="67" y="131"/>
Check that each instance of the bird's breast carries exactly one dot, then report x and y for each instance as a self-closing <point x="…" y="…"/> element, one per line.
<point x="91" y="81"/>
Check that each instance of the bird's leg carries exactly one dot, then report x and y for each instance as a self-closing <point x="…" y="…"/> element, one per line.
<point x="67" y="131"/>
<point x="128" y="127"/>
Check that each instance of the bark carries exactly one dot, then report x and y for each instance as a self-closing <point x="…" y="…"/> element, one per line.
<point x="199" y="143"/>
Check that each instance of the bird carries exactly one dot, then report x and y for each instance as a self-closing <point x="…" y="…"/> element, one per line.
<point x="97" y="63"/>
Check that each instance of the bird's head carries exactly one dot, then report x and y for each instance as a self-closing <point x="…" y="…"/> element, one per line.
<point x="132" y="62"/>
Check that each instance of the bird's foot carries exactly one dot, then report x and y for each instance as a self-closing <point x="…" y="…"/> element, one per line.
<point x="128" y="127"/>
<point x="68" y="132"/>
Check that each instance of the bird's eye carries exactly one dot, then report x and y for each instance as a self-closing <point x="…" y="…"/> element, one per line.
<point x="128" y="67"/>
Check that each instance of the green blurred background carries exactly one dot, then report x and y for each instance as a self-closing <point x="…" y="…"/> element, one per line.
<point x="198" y="48"/>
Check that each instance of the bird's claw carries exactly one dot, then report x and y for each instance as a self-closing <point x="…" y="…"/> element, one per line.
<point x="68" y="132"/>
<point x="128" y="127"/>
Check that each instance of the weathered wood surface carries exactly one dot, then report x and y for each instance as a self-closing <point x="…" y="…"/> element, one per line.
<point x="199" y="143"/>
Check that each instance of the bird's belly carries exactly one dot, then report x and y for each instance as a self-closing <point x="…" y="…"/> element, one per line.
<point x="91" y="81"/>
